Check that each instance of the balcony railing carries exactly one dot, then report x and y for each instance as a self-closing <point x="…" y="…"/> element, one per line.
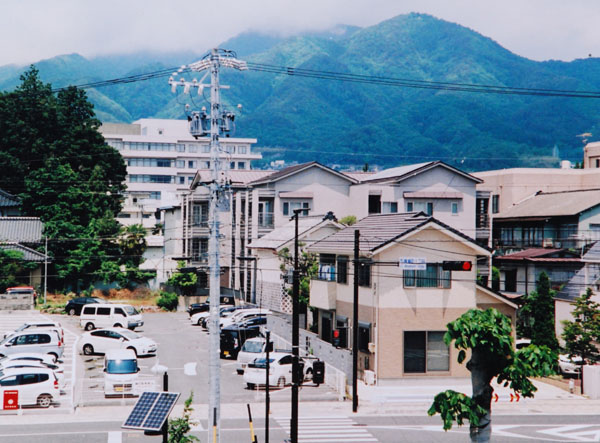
<point x="266" y="219"/>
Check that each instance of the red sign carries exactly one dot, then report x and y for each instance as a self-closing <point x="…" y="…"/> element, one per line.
<point x="11" y="400"/>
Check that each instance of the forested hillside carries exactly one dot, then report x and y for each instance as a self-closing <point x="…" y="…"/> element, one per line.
<point x="343" y="123"/>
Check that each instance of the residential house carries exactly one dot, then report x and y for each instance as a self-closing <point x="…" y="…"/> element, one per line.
<point x="403" y="313"/>
<point x="10" y="205"/>
<point x="23" y="234"/>
<point x="271" y="290"/>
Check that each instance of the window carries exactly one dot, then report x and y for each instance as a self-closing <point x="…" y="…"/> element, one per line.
<point x="495" y="204"/>
<point x="205" y="149"/>
<point x="191" y="164"/>
<point x="180" y="164"/>
<point x="199" y="249"/>
<point x="241" y="165"/>
<point x="341" y="326"/>
<point x="597" y="163"/>
<point x="326" y="267"/>
<point x="89" y="310"/>
<point x="342" y="269"/>
<point x="28" y="379"/>
<point x="390" y="207"/>
<point x="200" y="214"/>
<point x="289" y="207"/>
<point x="364" y="336"/>
<point x="432" y="277"/>
<point x="242" y="149"/>
<point x="192" y="148"/>
<point x="204" y="165"/>
<point x="9" y="381"/>
<point x="103" y="311"/>
<point x="454" y="206"/>
<point x="151" y="178"/>
<point x="182" y="180"/>
<point x="119" y="311"/>
<point x="364" y="273"/>
<point x="232" y="165"/>
<point x="425" y="351"/>
<point x="374" y="204"/>
<point x="180" y="148"/>
<point x="420" y="206"/>
<point x="154" y="195"/>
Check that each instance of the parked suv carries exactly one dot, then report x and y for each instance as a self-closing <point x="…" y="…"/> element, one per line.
<point x="74" y="306"/>
<point x="105" y="315"/>
<point x="41" y="341"/>
<point x="233" y="337"/>
<point x="35" y="386"/>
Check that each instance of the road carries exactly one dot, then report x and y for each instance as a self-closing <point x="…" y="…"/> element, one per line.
<point x="338" y="429"/>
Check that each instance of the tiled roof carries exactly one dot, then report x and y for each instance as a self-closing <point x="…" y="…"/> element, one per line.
<point x="8" y="200"/>
<point x="377" y="231"/>
<point x="21" y="229"/>
<point x="290" y="170"/>
<point x="553" y="204"/>
<point x="403" y="172"/>
<point x="236" y="176"/>
<point x="28" y="253"/>
<point x="282" y="235"/>
<point x="541" y="254"/>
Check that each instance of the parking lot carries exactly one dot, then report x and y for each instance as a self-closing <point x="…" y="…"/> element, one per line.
<point x="179" y="344"/>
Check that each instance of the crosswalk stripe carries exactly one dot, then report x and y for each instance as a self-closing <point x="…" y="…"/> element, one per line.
<point x="327" y="430"/>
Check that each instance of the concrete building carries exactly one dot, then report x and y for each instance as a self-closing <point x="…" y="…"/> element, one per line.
<point x="403" y="313"/>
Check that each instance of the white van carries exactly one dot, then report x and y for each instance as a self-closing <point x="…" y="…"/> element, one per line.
<point x="120" y="372"/>
<point x="251" y="349"/>
<point x="106" y="315"/>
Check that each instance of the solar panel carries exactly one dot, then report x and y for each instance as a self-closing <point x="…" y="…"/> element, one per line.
<point x="151" y="410"/>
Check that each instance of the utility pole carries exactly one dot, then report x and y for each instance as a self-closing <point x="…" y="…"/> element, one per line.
<point x="295" y="334"/>
<point x="219" y="122"/>
<point x="355" y="323"/>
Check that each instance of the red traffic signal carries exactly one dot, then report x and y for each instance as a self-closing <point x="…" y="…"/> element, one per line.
<point x="457" y="265"/>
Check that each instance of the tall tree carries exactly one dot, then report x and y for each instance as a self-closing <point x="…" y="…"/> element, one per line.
<point x="54" y="158"/>
<point x="543" y="332"/>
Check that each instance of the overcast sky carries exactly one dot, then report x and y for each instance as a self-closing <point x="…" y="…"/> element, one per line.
<point x="31" y="30"/>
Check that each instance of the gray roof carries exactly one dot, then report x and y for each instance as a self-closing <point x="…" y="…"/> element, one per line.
<point x="21" y="229"/>
<point x="577" y="285"/>
<point x="280" y="236"/>
<point x="8" y="200"/>
<point x="403" y="172"/>
<point x="377" y="231"/>
<point x="291" y="170"/>
<point x="28" y="253"/>
<point x="554" y="204"/>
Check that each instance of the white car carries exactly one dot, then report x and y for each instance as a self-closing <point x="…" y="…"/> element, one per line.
<point x="243" y="315"/>
<point x="99" y="341"/>
<point x="280" y="370"/>
<point x="35" y="386"/>
<point x="570" y="366"/>
<point x="59" y="371"/>
<point x="224" y="311"/>
<point x="43" y="324"/>
<point x="251" y="349"/>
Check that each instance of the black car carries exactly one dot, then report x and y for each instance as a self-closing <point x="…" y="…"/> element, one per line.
<point x="233" y="338"/>
<point x="75" y="305"/>
<point x="203" y="307"/>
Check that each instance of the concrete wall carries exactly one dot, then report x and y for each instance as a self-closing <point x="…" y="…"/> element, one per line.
<point x="16" y="302"/>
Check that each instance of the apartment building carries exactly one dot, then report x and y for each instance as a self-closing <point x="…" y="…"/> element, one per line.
<point x="403" y="312"/>
<point x="162" y="159"/>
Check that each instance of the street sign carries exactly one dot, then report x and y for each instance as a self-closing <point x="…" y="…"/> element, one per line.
<point x="11" y="400"/>
<point x="412" y="263"/>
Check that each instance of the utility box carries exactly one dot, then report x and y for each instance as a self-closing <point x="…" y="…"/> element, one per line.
<point x="319" y="372"/>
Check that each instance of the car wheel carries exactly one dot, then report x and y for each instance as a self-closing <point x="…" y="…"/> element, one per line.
<point x="240" y="371"/>
<point x="281" y="382"/>
<point x="44" y="401"/>
<point x="89" y="326"/>
<point x="251" y="386"/>
<point x="134" y="350"/>
<point x="54" y="356"/>
<point x="117" y="325"/>
<point x="88" y="349"/>
<point x="72" y="311"/>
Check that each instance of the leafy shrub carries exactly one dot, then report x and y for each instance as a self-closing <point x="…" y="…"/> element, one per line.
<point x="167" y="301"/>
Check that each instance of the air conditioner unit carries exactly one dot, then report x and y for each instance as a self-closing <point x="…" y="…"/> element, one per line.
<point x="548" y="243"/>
<point x="557" y="244"/>
<point x="372" y="348"/>
<point x="369" y="377"/>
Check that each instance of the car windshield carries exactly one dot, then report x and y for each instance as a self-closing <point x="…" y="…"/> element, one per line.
<point x="121" y="366"/>
<point x="131" y="310"/>
<point x="130" y="335"/>
<point x="252" y="346"/>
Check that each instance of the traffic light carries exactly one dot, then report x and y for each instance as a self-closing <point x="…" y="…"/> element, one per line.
<point x="457" y="265"/>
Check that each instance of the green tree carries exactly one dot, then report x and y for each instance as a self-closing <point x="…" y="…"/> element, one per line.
<point x="582" y="334"/>
<point x="543" y="331"/>
<point x="183" y="280"/>
<point x="348" y="220"/>
<point x="308" y="266"/>
<point x="132" y="245"/>
<point x="488" y="335"/>
<point x="14" y="270"/>
<point x="56" y="161"/>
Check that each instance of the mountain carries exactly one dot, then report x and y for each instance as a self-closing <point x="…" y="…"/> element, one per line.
<point x="349" y="124"/>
